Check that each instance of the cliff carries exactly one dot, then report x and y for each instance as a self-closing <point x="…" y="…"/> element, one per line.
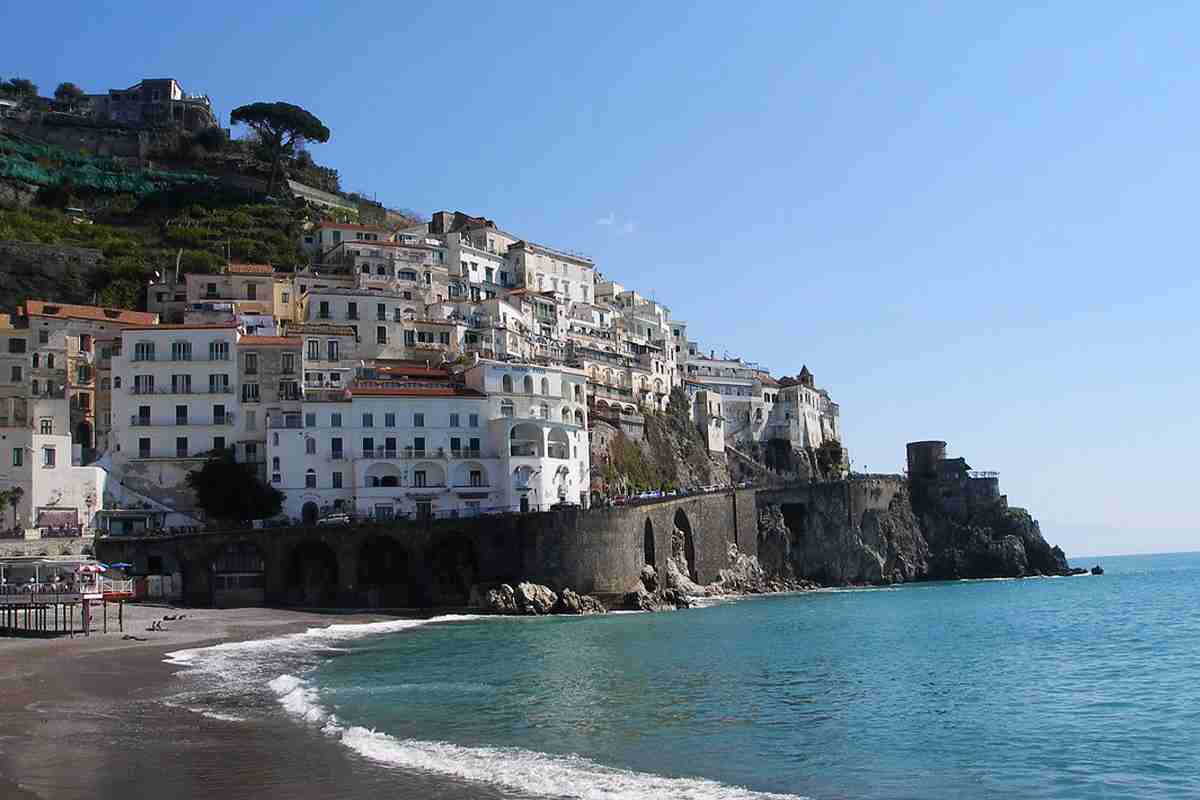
<point x="867" y="531"/>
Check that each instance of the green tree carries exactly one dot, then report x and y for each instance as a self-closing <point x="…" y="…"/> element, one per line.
<point x="68" y="94"/>
<point x="232" y="492"/>
<point x="280" y="127"/>
<point x="13" y="498"/>
<point x="19" y="87"/>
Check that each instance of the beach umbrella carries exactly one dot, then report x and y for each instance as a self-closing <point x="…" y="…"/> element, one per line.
<point x="121" y="565"/>
<point x="90" y="568"/>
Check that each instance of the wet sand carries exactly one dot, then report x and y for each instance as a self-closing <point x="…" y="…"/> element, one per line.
<point x="83" y="718"/>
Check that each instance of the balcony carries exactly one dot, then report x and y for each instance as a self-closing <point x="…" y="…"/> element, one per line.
<point x="149" y="390"/>
<point x="138" y="421"/>
<point x="15" y="421"/>
<point x="289" y="422"/>
<point x="469" y="454"/>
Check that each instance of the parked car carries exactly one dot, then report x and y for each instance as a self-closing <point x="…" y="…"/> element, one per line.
<point x="334" y="521"/>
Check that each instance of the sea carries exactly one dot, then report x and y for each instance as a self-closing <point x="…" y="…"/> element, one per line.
<point x="1080" y="687"/>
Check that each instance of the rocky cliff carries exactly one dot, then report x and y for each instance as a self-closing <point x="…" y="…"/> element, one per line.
<point x="845" y="533"/>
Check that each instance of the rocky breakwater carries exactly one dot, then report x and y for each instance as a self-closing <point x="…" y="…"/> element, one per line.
<point x="533" y="599"/>
<point x="872" y="532"/>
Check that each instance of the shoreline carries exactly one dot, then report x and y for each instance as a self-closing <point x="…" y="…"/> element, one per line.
<point x="86" y="717"/>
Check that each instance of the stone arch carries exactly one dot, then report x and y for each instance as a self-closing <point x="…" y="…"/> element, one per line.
<point x="648" y="544"/>
<point x="526" y="440"/>
<point x="559" y="445"/>
<point x="309" y="513"/>
<point x="506" y="384"/>
<point x="382" y="474"/>
<point x="384" y="578"/>
<point x="455" y="568"/>
<point x="435" y="474"/>
<point x="528" y="385"/>
<point x="683" y="529"/>
<point x="313" y="574"/>
<point x="461" y="473"/>
<point x="238" y="575"/>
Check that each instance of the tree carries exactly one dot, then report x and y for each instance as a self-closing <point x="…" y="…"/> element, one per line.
<point x="13" y="498"/>
<point x="68" y="94"/>
<point x="19" y="87"/>
<point x="230" y="491"/>
<point x="280" y="127"/>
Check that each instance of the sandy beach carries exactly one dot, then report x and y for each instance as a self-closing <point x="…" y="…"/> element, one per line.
<point x="83" y="717"/>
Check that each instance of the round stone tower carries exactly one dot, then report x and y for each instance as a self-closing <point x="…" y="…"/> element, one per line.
<point x="923" y="458"/>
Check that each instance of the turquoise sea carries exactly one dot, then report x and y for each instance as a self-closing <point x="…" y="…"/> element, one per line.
<point x="1085" y="687"/>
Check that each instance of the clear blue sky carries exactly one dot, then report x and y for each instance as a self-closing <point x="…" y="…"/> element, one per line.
<point x="972" y="223"/>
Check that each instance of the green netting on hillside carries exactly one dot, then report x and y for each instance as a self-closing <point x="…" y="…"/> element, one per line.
<point x="44" y="165"/>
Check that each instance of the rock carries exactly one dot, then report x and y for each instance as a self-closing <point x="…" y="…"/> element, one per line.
<point x="535" y="599"/>
<point x="649" y="578"/>
<point x="591" y="605"/>
<point x="570" y="602"/>
<point x="501" y="600"/>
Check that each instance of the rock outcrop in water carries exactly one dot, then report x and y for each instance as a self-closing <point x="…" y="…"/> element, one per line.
<point x="533" y="599"/>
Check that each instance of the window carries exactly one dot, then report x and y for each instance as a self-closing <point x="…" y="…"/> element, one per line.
<point x="506" y="383"/>
<point x="454" y="420"/>
<point x="18" y="345"/>
<point x="180" y="384"/>
<point x="310" y="419"/>
<point x="144" y="448"/>
<point x="368" y="447"/>
<point x="368" y="420"/>
<point x="335" y="445"/>
<point x="219" y="415"/>
<point x="472" y="508"/>
<point x="310" y="446"/>
<point x="389" y="420"/>
<point x="476" y="477"/>
<point x="105" y="384"/>
<point x="251" y="451"/>
<point x="250" y="393"/>
<point x="251" y="363"/>
<point x="50" y="361"/>
<point x="314" y="350"/>
<point x="528" y="383"/>
<point x="410" y="338"/>
<point x="251" y="291"/>
<point x="276" y="477"/>
<point x="419" y="478"/>
<point x="424" y="509"/>
<point x="143" y="415"/>
<point x="16" y="373"/>
<point x="473" y="445"/>
<point x="218" y="384"/>
<point x="310" y="478"/>
<point x="337" y="480"/>
<point x="218" y="443"/>
<point x="418" y="420"/>
<point x="285" y="297"/>
<point x="380" y="335"/>
<point x="35" y="360"/>
<point x="506" y="408"/>
<point x="545" y="386"/>
<point x="181" y="351"/>
<point x="251" y="420"/>
<point x="544" y="411"/>
<point x="218" y="351"/>
<point x="181" y="415"/>
<point x="18" y="456"/>
<point x="473" y="421"/>
<point x="181" y="447"/>
<point x="381" y="312"/>
<point x="455" y="445"/>
<point x="275" y="463"/>
<point x="444" y="337"/>
<point x="34" y="385"/>
<point x="331" y="350"/>
<point x="288" y="363"/>
<point x="323" y="310"/>
<point x="352" y="311"/>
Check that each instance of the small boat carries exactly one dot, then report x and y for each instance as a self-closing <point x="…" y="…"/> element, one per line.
<point x="1097" y="570"/>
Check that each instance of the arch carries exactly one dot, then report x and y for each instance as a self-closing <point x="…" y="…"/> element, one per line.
<point x="384" y="579"/>
<point x="559" y="445"/>
<point x="543" y="411"/>
<point x="526" y="440"/>
<point x="528" y="384"/>
<point x="313" y="573"/>
<point x="462" y="473"/>
<point x="648" y="543"/>
<point x="566" y="415"/>
<point x="683" y="529"/>
<point x="382" y="474"/>
<point x="435" y="474"/>
<point x="506" y="384"/>
<point x="239" y="576"/>
<point x="579" y="417"/>
<point x="507" y="409"/>
<point x="545" y="386"/>
<point x="521" y="476"/>
<point x="309" y="513"/>
<point x="310" y="478"/>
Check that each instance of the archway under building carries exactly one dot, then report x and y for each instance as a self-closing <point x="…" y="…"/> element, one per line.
<point x="309" y="513"/>
<point x="684" y="527"/>
<point x="648" y="544"/>
<point x="312" y="575"/>
<point x="384" y="578"/>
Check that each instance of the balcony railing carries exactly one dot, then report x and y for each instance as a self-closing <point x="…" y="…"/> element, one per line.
<point x="138" y="421"/>
<point x="148" y="390"/>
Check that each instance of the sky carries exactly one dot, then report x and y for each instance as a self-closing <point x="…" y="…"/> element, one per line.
<point x="972" y="223"/>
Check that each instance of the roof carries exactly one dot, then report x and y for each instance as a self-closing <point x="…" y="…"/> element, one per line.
<point x="270" y="341"/>
<point x="396" y="367"/>
<point x="316" y="327"/>
<point x="352" y="226"/>
<point x="250" y="269"/>
<point x="41" y="308"/>
<point x="414" y="391"/>
<point x="218" y="326"/>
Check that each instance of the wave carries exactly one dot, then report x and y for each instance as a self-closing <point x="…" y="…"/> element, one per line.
<point x="525" y="771"/>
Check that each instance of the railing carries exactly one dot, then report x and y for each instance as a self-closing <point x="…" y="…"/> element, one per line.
<point x="404" y="453"/>
<point x="13" y="422"/>
<point x="982" y="474"/>
<point x="286" y="422"/>
<point x="138" y="421"/>
<point x="147" y="390"/>
<point x="61" y="532"/>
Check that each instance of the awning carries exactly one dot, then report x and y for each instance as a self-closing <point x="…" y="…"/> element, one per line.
<point x="57" y="518"/>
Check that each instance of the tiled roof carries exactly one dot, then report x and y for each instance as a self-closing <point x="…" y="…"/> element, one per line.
<point x="42" y="308"/>
<point x="213" y="327"/>
<point x="313" y="327"/>
<point x="414" y="391"/>
<point x="270" y="341"/>
<point x="250" y="269"/>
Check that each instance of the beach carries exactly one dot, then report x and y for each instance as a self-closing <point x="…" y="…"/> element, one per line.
<point x="85" y="717"/>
